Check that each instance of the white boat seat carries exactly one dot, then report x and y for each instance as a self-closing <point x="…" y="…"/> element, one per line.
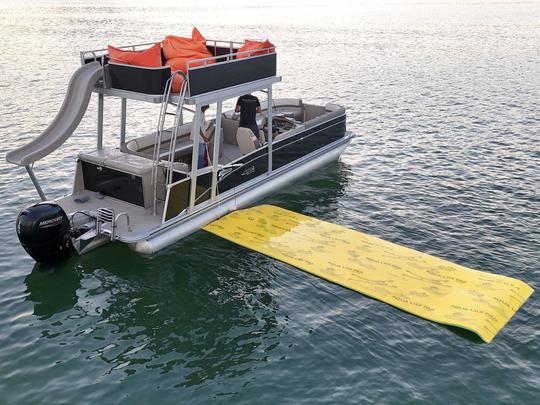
<point x="283" y="102"/>
<point x="181" y="167"/>
<point x="247" y="141"/>
<point x="291" y="107"/>
<point x="262" y="138"/>
<point x="99" y="156"/>
<point x="230" y="127"/>
<point x="113" y="158"/>
<point x="145" y="144"/>
<point x="211" y="133"/>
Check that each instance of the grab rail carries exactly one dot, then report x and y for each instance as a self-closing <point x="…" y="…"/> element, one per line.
<point x="230" y="57"/>
<point x="98" y="53"/>
<point x="174" y="134"/>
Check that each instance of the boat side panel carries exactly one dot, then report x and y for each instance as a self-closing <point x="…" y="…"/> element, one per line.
<point x="285" y="151"/>
<point x="178" y="231"/>
<point x="255" y="164"/>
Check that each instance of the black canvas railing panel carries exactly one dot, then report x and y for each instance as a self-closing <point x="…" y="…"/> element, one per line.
<point x="227" y="74"/>
<point x="139" y="79"/>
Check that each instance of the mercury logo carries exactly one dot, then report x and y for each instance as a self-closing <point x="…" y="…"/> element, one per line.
<point x="50" y="222"/>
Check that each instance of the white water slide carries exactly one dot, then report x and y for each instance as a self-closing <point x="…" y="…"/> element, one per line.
<point x="68" y="118"/>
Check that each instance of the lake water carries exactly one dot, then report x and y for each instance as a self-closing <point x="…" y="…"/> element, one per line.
<point x="444" y="98"/>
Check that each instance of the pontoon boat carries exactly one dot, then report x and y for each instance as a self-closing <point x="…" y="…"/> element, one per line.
<point x="149" y="192"/>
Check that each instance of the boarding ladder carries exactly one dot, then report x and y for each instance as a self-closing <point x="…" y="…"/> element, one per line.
<point x="178" y="121"/>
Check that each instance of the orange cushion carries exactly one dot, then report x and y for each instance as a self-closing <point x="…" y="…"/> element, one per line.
<point x="197" y="36"/>
<point x="177" y="83"/>
<point x="179" y="50"/>
<point x="150" y="57"/>
<point x="180" y="64"/>
<point x="180" y="47"/>
<point x="254" y="46"/>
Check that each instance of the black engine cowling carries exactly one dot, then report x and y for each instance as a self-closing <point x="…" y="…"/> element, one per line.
<point x="44" y="232"/>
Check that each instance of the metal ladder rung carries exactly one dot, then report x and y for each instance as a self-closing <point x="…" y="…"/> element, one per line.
<point x="168" y="160"/>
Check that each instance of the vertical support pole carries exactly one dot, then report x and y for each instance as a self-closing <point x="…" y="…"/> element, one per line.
<point x="36" y="183"/>
<point x="217" y="146"/>
<point x="100" y="122"/>
<point x="195" y="135"/>
<point x="269" y="120"/>
<point x="123" y="113"/>
<point x="181" y="117"/>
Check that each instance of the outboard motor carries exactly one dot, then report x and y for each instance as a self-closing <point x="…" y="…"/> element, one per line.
<point x="44" y="232"/>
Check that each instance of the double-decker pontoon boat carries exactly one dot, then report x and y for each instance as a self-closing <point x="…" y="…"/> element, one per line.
<point x="149" y="191"/>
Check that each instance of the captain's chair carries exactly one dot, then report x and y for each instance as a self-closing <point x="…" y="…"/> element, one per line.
<point x="247" y="141"/>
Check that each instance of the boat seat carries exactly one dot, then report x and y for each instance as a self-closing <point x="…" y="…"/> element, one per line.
<point x="283" y="102"/>
<point x="145" y="144"/>
<point x="113" y="158"/>
<point x="316" y="115"/>
<point x="230" y="126"/>
<point x="262" y="137"/>
<point x="181" y="167"/>
<point x="100" y="156"/>
<point x="211" y="134"/>
<point x="291" y="107"/>
<point x="247" y="141"/>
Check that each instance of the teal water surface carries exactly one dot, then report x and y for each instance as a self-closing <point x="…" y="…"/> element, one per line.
<point x="444" y="99"/>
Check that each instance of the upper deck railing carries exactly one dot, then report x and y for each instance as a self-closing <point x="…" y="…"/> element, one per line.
<point x="221" y="70"/>
<point x="98" y="54"/>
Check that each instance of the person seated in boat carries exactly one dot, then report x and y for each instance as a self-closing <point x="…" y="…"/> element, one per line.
<point x="202" y="160"/>
<point x="249" y="106"/>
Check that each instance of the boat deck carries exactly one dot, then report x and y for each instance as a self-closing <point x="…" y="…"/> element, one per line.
<point x="141" y="219"/>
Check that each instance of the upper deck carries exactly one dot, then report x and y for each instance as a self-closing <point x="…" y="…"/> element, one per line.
<point x="219" y="76"/>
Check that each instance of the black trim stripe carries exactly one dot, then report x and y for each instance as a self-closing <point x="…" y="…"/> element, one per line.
<point x="285" y="151"/>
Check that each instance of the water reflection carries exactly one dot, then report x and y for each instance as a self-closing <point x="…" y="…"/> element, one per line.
<point x="187" y="309"/>
<point x="52" y="289"/>
<point x="321" y="192"/>
<point x="203" y="308"/>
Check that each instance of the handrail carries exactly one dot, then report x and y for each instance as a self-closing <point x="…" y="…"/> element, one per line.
<point x="209" y="42"/>
<point x="178" y="118"/>
<point x="229" y="56"/>
<point x="159" y="136"/>
<point x="157" y="142"/>
<point x="94" y="52"/>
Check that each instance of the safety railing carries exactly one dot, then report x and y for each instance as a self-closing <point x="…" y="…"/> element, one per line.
<point x="178" y="118"/>
<point x="97" y="54"/>
<point x="232" y="56"/>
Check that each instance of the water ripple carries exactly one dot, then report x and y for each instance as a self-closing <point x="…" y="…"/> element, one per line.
<point x="443" y="99"/>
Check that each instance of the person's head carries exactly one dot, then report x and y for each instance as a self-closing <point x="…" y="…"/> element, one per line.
<point x="204" y="108"/>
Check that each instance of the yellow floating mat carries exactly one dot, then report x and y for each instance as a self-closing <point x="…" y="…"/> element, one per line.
<point x="415" y="282"/>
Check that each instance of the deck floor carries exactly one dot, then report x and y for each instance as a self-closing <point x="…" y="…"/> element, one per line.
<point x="230" y="153"/>
<point x="141" y="219"/>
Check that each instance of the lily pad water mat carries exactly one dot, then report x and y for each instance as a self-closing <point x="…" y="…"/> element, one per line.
<point x="415" y="282"/>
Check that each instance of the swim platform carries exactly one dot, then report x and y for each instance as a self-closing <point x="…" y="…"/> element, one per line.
<point x="415" y="282"/>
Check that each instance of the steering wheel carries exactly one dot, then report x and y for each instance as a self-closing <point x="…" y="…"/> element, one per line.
<point x="279" y="124"/>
